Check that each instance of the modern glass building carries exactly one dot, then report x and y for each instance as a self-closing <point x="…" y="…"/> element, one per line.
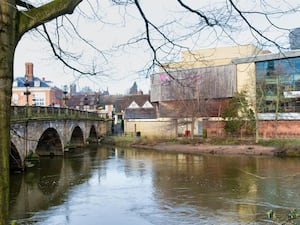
<point x="278" y="85"/>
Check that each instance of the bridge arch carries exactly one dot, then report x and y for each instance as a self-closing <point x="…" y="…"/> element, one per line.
<point x="93" y="136"/>
<point x="15" y="160"/>
<point x="49" y="143"/>
<point x="77" y="137"/>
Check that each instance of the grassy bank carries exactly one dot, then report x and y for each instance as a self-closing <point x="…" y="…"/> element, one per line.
<point x="132" y="140"/>
<point x="284" y="147"/>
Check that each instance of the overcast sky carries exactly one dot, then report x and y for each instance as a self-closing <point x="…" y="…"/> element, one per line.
<point x="115" y="25"/>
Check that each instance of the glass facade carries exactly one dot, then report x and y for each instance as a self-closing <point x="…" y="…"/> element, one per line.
<point x="278" y="85"/>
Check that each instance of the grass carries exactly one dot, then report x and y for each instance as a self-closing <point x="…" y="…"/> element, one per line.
<point x="284" y="147"/>
<point x="117" y="140"/>
<point x="276" y="142"/>
<point x="128" y="140"/>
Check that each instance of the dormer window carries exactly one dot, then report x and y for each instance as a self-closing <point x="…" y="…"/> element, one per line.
<point x="37" y="83"/>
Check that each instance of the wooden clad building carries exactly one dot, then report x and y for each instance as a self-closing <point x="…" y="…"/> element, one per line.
<point x="204" y="82"/>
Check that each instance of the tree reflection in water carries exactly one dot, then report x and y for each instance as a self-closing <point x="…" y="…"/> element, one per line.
<point x="147" y="187"/>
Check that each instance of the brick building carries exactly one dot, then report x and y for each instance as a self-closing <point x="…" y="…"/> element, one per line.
<point x="33" y="90"/>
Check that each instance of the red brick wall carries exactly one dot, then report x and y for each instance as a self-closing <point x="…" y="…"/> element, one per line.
<point x="285" y="129"/>
<point x="267" y="129"/>
<point x="214" y="128"/>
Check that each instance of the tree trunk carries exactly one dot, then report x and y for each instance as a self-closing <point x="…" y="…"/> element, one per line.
<point x="13" y="24"/>
<point x="7" y="48"/>
<point x="176" y="128"/>
<point x="277" y="105"/>
<point x="193" y="127"/>
<point x="5" y="93"/>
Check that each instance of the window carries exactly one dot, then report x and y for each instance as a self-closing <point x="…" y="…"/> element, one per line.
<point x="15" y="99"/>
<point x="38" y="99"/>
<point x="37" y="83"/>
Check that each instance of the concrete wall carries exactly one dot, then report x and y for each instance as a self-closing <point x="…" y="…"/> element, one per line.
<point x="214" y="56"/>
<point x="246" y="81"/>
<point x="166" y="128"/>
<point x="150" y="127"/>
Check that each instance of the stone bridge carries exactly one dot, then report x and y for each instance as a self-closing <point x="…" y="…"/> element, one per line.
<point x="52" y="131"/>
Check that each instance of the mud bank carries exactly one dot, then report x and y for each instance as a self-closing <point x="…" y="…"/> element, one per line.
<point x="212" y="149"/>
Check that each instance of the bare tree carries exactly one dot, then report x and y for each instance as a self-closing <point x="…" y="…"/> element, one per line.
<point x="206" y="25"/>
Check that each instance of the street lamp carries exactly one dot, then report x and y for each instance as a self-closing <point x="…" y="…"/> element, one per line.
<point x="65" y="98"/>
<point x="27" y="92"/>
<point x="85" y="102"/>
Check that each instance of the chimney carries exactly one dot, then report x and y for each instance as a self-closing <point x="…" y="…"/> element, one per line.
<point x="29" y="71"/>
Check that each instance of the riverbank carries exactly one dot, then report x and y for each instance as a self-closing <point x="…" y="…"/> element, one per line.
<point x="212" y="149"/>
<point x="281" y="148"/>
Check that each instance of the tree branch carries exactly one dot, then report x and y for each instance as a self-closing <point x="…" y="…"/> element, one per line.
<point x="148" y="24"/>
<point x="206" y="19"/>
<point x="60" y="57"/>
<point x="34" y="17"/>
<point x="251" y="27"/>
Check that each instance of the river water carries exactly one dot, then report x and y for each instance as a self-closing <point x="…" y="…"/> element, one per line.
<point x="115" y="186"/>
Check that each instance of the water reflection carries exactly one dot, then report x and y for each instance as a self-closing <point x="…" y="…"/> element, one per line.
<point x="128" y="186"/>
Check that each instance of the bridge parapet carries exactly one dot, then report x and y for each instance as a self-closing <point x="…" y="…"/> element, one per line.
<point x="37" y="112"/>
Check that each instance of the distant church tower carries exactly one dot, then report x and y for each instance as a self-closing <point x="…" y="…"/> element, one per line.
<point x="133" y="90"/>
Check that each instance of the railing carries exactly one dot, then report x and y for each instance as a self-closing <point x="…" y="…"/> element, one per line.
<point x="37" y="112"/>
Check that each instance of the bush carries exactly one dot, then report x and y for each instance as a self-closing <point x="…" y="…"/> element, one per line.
<point x="232" y="126"/>
<point x="238" y="115"/>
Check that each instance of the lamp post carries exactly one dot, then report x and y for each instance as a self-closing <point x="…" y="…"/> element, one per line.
<point x="65" y="95"/>
<point x="27" y="92"/>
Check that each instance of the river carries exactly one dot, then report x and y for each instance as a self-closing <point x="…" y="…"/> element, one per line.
<point x="115" y="186"/>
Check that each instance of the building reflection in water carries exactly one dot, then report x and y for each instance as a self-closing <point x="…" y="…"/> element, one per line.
<point x="238" y="189"/>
